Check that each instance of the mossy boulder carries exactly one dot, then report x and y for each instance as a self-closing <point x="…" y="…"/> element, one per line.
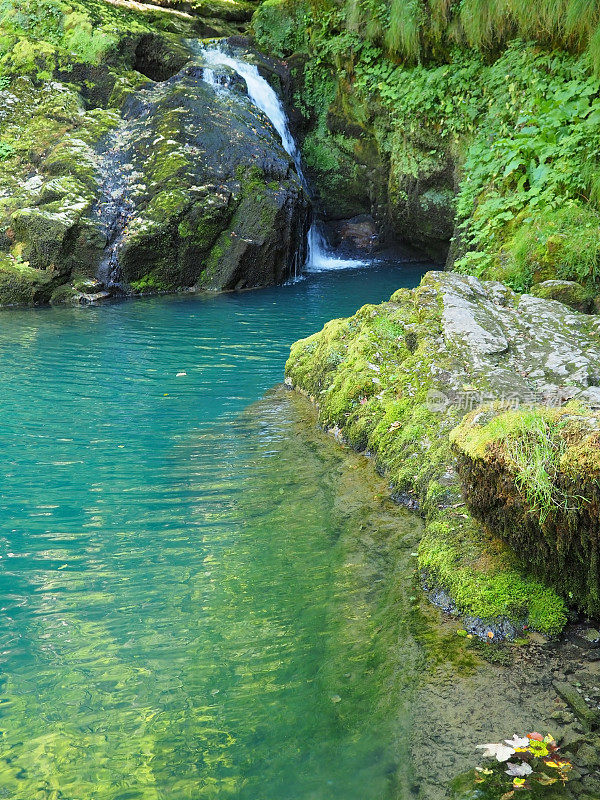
<point x="533" y="476"/>
<point x="49" y="181"/>
<point x="105" y="92"/>
<point x="397" y="378"/>
<point x="214" y="200"/>
<point x="22" y="285"/>
<point x="570" y="293"/>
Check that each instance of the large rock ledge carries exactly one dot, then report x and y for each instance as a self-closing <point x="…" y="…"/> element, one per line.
<point x="397" y="378"/>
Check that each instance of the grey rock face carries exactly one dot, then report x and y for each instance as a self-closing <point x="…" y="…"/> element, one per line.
<point x="525" y="349"/>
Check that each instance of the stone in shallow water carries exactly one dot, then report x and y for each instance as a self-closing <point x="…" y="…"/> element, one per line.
<point x="589" y="637"/>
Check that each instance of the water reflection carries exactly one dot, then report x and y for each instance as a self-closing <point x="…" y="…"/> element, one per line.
<point x="196" y="599"/>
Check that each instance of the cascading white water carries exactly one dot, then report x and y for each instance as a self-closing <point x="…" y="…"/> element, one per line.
<point x="208" y="76"/>
<point x="264" y="97"/>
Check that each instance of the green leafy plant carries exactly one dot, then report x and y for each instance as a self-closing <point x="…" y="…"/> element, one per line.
<point x="6" y="150"/>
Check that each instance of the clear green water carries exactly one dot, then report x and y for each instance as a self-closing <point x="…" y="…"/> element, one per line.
<point x="197" y="589"/>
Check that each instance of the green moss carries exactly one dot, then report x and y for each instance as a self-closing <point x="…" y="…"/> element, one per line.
<point x="483" y="577"/>
<point x="64" y="294"/>
<point x="562" y="243"/>
<point x="149" y="284"/>
<point x="533" y="474"/>
<point x="167" y="166"/>
<point x="20" y="284"/>
<point x="96" y="123"/>
<point x="570" y="293"/>
<point x="41" y="35"/>
<point x="370" y="376"/>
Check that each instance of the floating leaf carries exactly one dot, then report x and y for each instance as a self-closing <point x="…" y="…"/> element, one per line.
<point x="537" y="737"/>
<point x="519" y="770"/>
<point x="501" y="752"/>
<point x="518" y="742"/>
<point x="539" y="749"/>
<point x="562" y="765"/>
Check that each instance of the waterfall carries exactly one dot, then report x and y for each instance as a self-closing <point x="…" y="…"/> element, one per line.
<point x="264" y="97"/>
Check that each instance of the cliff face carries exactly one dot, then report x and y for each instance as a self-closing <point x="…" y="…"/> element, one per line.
<point x="452" y="132"/>
<point x="121" y="169"/>
<point x="396" y="379"/>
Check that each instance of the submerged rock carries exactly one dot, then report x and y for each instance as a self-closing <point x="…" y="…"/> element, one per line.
<point x="395" y="379"/>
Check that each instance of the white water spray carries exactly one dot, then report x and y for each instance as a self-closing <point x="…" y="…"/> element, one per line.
<point x="262" y="95"/>
<point x="265" y="98"/>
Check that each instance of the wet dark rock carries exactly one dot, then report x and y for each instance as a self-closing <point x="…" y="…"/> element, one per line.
<point x="214" y="199"/>
<point x="190" y="188"/>
<point x="590" y="718"/>
<point x="588" y="637"/>
<point x="356" y="235"/>
<point x="149" y="177"/>
<point x="158" y="58"/>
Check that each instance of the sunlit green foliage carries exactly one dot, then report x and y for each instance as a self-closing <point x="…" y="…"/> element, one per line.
<point x="522" y="124"/>
<point x="39" y="36"/>
<point x="412" y="29"/>
<point x="36" y="38"/>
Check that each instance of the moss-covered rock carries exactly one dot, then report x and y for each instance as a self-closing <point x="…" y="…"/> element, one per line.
<point x="533" y="476"/>
<point x="120" y="133"/>
<point x="570" y="293"/>
<point x="395" y="379"/>
<point x="22" y="285"/>
<point x="214" y="200"/>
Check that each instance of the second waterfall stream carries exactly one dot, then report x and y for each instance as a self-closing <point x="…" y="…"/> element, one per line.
<point x="264" y="97"/>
